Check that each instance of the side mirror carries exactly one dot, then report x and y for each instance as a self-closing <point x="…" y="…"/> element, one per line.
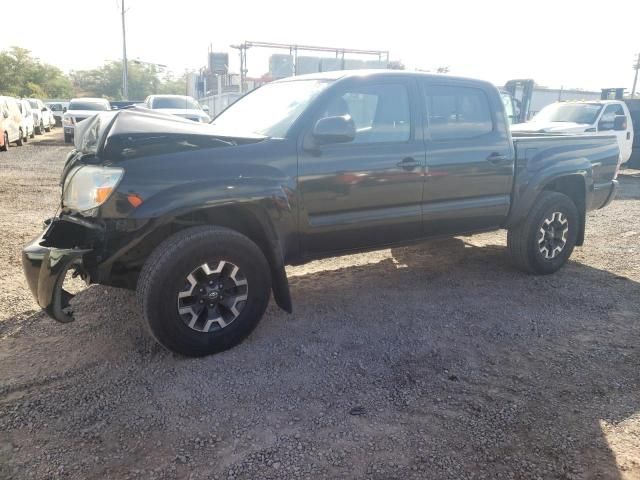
<point x="205" y="108"/>
<point x="5" y="114"/>
<point x="64" y="109"/>
<point x="44" y="109"/>
<point x="335" y="130"/>
<point x="620" y="123"/>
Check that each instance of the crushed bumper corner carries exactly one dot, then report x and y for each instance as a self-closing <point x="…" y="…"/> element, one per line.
<point x="45" y="269"/>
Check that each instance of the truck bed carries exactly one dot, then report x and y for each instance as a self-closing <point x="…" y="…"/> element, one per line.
<point x="593" y="157"/>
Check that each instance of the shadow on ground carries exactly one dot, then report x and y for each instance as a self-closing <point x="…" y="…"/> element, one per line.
<point x="463" y="368"/>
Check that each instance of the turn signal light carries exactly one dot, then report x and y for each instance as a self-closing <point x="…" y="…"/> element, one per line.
<point x="102" y="193"/>
<point x="134" y="200"/>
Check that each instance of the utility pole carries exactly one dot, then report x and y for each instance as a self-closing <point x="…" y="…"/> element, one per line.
<point x="125" y="73"/>
<point x="636" y="67"/>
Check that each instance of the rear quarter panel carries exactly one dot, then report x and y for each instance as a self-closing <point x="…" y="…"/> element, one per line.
<point x="542" y="159"/>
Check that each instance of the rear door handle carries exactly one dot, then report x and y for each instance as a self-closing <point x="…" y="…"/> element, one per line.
<point x="408" y="163"/>
<point x="497" y="159"/>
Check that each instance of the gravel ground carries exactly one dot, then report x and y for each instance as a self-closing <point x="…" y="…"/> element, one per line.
<point x="437" y="361"/>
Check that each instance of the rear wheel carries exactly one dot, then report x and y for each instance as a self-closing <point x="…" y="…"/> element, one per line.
<point x="32" y="134"/>
<point x="5" y="144"/>
<point x="204" y="290"/>
<point x="20" y="138"/>
<point x="544" y="241"/>
<point x="47" y="128"/>
<point x="40" y="128"/>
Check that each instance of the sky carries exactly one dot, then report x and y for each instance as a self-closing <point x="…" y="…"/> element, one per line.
<point x="568" y="43"/>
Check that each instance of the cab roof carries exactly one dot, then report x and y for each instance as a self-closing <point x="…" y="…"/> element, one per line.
<point x="376" y="73"/>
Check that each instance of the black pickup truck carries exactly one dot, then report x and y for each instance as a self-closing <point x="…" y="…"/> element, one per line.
<point x="201" y="219"/>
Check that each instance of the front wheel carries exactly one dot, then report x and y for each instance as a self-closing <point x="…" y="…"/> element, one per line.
<point x="20" y="140"/>
<point x="67" y="138"/>
<point x="203" y="290"/>
<point x="544" y="241"/>
<point x="5" y="145"/>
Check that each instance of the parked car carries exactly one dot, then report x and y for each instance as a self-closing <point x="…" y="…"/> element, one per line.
<point x="58" y="109"/>
<point x="80" y="109"/>
<point x="120" y="104"/>
<point x="603" y="117"/>
<point x="48" y="114"/>
<point x="201" y="219"/>
<point x="26" y="115"/>
<point x="42" y="116"/>
<point x="11" y="120"/>
<point x="180" y="105"/>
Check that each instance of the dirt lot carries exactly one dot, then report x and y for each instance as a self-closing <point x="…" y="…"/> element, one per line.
<point x="437" y="361"/>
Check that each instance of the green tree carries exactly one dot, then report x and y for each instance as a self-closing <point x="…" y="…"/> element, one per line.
<point x="143" y="80"/>
<point x="22" y="75"/>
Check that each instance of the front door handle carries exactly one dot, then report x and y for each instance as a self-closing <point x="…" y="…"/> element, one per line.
<point x="408" y="163"/>
<point x="497" y="159"/>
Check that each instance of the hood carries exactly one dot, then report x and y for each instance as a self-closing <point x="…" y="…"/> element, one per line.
<point x="551" y="127"/>
<point x="135" y="132"/>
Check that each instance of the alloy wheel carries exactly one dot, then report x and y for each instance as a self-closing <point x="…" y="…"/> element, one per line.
<point x="552" y="236"/>
<point x="212" y="298"/>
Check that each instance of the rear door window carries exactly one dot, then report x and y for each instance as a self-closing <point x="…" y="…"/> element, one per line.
<point x="457" y="112"/>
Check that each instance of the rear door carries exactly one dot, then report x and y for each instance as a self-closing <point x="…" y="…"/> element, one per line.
<point x="367" y="192"/>
<point x="470" y="159"/>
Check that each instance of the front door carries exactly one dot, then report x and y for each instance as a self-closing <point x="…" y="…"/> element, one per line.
<point x="606" y="127"/>
<point x="366" y="192"/>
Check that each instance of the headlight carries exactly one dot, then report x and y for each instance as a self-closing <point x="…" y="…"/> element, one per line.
<point x="88" y="187"/>
<point x="67" y="120"/>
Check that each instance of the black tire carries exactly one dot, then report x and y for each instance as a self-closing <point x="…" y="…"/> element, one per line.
<point x="67" y="138"/>
<point x="5" y="144"/>
<point x="47" y="129"/>
<point x="164" y="275"/>
<point x="40" y="128"/>
<point x="32" y="134"/>
<point x="525" y="241"/>
<point x="20" y="140"/>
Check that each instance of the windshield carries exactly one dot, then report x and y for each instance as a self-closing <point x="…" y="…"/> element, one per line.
<point x="56" y="107"/>
<point x="33" y="103"/>
<point x="569" y="112"/>
<point x="79" y="105"/>
<point x="271" y="110"/>
<point x="175" y="102"/>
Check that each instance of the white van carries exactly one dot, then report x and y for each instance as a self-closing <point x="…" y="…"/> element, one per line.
<point x="11" y="120"/>
<point x="604" y="117"/>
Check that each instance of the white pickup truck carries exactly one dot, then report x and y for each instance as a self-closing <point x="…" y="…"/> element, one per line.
<point x="604" y="117"/>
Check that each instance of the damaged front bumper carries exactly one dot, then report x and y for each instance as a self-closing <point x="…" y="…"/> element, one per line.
<point x="46" y="261"/>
